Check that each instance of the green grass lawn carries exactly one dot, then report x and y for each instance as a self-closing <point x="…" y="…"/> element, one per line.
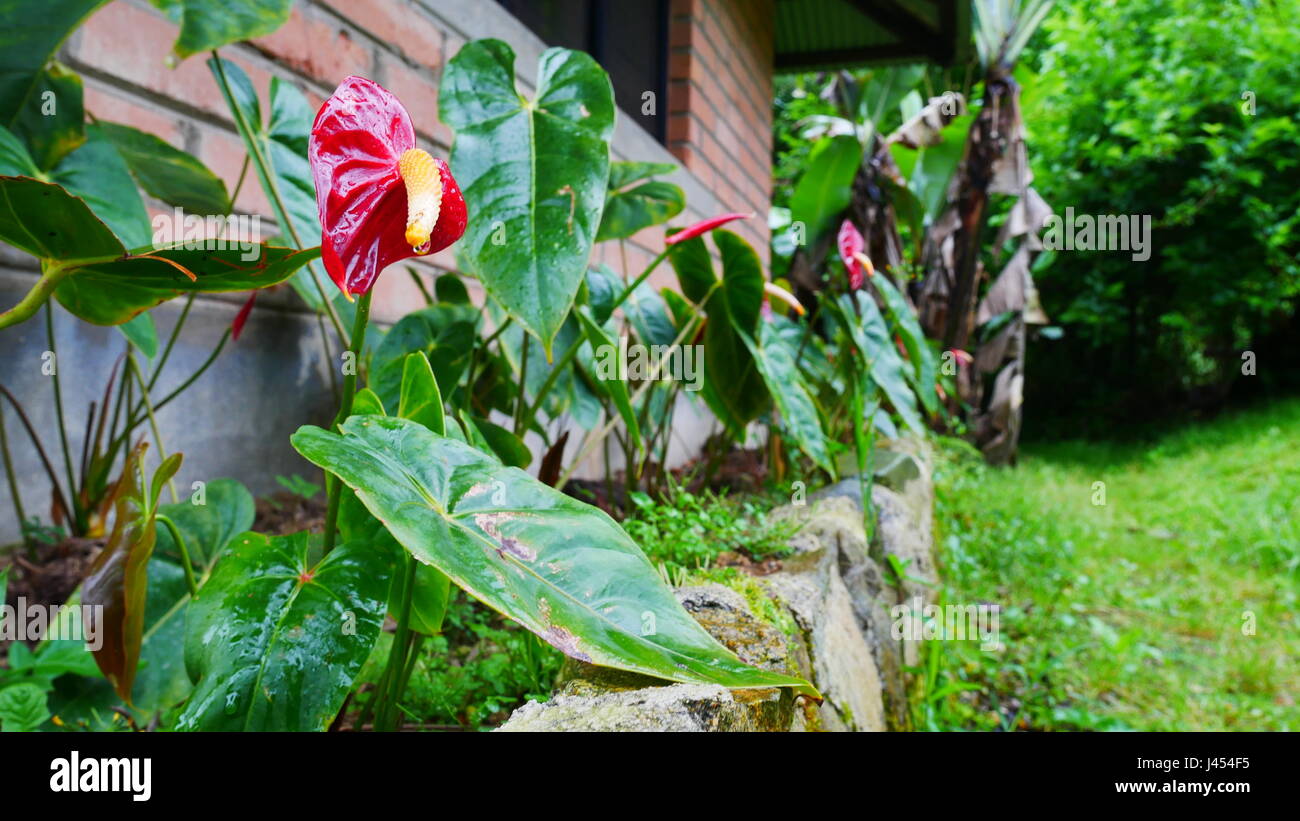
<point x="1135" y="614"/>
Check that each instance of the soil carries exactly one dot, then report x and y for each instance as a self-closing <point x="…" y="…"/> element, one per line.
<point x="48" y="577"/>
<point x="283" y="512"/>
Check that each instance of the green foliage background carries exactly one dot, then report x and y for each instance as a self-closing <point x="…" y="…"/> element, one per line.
<point x="1141" y="108"/>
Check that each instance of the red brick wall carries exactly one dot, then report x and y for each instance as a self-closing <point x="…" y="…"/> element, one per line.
<point x="720" y="102"/>
<point x="719" y="105"/>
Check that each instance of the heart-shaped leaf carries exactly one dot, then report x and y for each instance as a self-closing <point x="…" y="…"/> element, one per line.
<point x="273" y="642"/>
<point x="561" y="568"/>
<point x="533" y="173"/>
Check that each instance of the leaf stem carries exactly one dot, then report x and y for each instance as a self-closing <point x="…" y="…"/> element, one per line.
<point x="185" y="553"/>
<point x="9" y="474"/>
<point x="397" y="655"/>
<point x="345" y="410"/>
<point x="153" y="421"/>
<point x="40" y="293"/>
<point x="77" y="515"/>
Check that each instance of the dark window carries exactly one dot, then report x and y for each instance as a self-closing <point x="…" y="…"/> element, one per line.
<point x="628" y="37"/>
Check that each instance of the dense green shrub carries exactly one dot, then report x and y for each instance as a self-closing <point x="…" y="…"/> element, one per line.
<point x="1146" y="108"/>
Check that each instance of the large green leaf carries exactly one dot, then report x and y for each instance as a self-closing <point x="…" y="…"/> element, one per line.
<point x="97" y="279"/>
<point x="30" y="33"/>
<point x="113" y="291"/>
<point x="826" y="186"/>
<point x="274" y="642"/>
<point x="96" y="173"/>
<point x="792" y="396"/>
<point x="732" y="379"/>
<point x="173" y="176"/>
<point x="282" y="142"/>
<point x="211" y="24"/>
<point x="561" y="568"/>
<point x="533" y="173"/>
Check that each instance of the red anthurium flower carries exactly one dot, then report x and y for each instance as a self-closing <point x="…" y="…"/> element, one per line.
<point x="850" y="244"/>
<point x="703" y="227"/>
<point x="380" y="198"/>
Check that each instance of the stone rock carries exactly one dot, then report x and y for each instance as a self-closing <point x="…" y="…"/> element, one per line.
<point x="601" y="699"/>
<point x="843" y="662"/>
<point x="682" y="708"/>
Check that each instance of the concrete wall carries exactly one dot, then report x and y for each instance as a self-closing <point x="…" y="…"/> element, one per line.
<point x="236" y="420"/>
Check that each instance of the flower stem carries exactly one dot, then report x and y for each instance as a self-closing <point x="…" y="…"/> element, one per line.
<point x="185" y="553"/>
<point x="345" y="410"/>
<point x="387" y="717"/>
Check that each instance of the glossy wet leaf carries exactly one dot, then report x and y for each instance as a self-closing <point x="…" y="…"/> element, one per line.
<point x="211" y="24"/>
<point x="432" y="587"/>
<point x="274" y="643"/>
<point x="649" y="317"/>
<point x="533" y="174"/>
<point x="561" y="568"/>
<point x="169" y="174"/>
<point x="117" y="580"/>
